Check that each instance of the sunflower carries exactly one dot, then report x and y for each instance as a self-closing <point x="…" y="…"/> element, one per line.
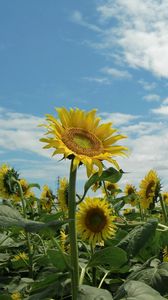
<point x="46" y="198"/>
<point x="95" y="220"/>
<point x="165" y="197"/>
<point x="110" y="188"/>
<point x="79" y="135"/>
<point x="65" y="246"/>
<point x="149" y="189"/>
<point x="63" y="194"/>
<point x="165" y="254"/>
<point x="8" y="177"/>
<point x="27" y="192"/>
<point x="130" y="190"/>
<point x="21" y="256"/>
<point x="16" y="296"/>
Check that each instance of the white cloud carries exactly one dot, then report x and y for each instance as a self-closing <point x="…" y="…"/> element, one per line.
<point x="117" y="73"/>
<point x="165" y="101"/>
<point x="162" y="110"/>
<point x="140" y="35"/>
<point x="117" y="119"/>
<point x="21" y="132"/>
<point x="77" y="17"/>
<point x="100" y="80"/>
<point x="151" y="97"/>
<point x="148" y="86"/>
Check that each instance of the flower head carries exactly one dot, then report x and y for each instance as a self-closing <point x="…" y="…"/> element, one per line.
<point x="16" y="296"/>
<point x="110" y="188"/>
<point x="63" y="194"/>
<point x="21" y="255"/>
<point x="149" y="189"/>
<point x="46" y="198"/>
<point x="79" y="135"/>
<point x="8" y="177"/>
<point x="27" y="191"/>
<point x="130" y="190"/>
<point x="95" y="220"/>
<point x="165" y="197"/>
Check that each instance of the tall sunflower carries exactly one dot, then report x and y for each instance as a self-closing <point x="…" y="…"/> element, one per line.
<point x="149" y="189"/>
<point x="63" y="194"/>
<point x="130" y="190"/>
<point x="95" y="220"/>
<point x="79" y="135"/>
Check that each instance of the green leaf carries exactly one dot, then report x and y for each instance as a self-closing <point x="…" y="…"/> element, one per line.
<point x="87" y="292"/>
<point x="111" y="257"/>
<point x="135" y="290"/>
<point x="156" y="275"/>
<point x="56" y="258"/>
<point x="138" y="237"/>
<point x="111" y="175"/>
<point x="31" y="185"/>
<point x="11" y="217"/>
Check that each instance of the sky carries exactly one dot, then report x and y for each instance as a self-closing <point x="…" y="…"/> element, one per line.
<point x="111" y="55"/>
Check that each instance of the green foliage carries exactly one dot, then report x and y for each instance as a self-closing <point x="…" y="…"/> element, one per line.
<point x="135" y="290"/>
<point x="112" y="175"/>
<point x="87" y="292"/>
<point x="111" y="257"/>
<point x="138" y="237"/>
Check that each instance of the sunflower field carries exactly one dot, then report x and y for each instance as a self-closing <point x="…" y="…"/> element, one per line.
<point x="112" y="245"/>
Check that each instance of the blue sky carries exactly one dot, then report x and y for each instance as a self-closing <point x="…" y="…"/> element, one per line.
<point x="106" y="54"/>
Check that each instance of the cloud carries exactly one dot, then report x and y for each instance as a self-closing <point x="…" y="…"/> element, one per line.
<point x="117" y="119"/>
<point x="120" y="74"/>
<point x="99" y="80"/>
<point x="77" y="17"/>
<point x="148" y="86"/>
<point x="151" y="97"/>
<point x="139" y="33"/>
<point x="162" y="110"/>
<point x="20" y="132"/>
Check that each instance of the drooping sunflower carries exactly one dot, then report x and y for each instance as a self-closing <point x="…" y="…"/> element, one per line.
<point x="95" y="220"/>
<point x="130" y="190"/>
<point x="110" y="188"/>
<point x="46" y="198"/>
<point x="149" y="189"/>
<point x="27" y="191"/>
<point x="165" y="197"/>
<point x="63" y="194"/>
<point x="8" y="186"/>
<point x="79" y="135"/>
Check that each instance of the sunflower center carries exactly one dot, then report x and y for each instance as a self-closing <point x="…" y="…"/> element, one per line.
<point x="95" y="220"/>
<point x="82" y="142"/>
<point x="149" y="188"/>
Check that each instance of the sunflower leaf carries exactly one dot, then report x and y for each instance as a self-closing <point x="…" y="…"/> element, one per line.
<point x="111" y="257"/>
<point x="11" y="217"/>
<point x="138" y="237"/>
<point x="135" y="290"/>
<point x="112" y="175"/>
<point x="87" y="292"/>
<point x="155" y="275"/>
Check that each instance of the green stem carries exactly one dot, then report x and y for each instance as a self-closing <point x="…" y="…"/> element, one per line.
<point x="26" y="233"/>
<point x="72" y="232"/>
<point x="163" y="208"/>
<point x="94" y="279"/>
